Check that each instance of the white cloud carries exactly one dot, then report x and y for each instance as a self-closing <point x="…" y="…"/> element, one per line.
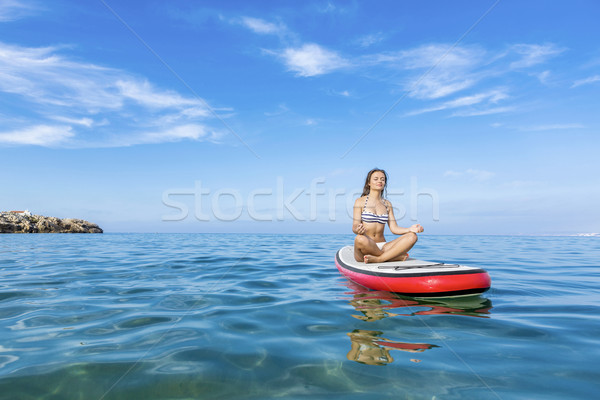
<point x="174" y="133"/>
<point x="544" y="76"/>
<point x="261" y="26"/>
<point x="439" y="85"/>
<point x="47" y="87"/>
<point x="326" y="8"/>
<point x="441" y="56"/>
<point x="442" y="70"/>
<point x="484" y="111"/>
<point x="177" y="133"/>
<point x="331" y="8"/>
<point x="370" y="39"/>
<point x="40" y="135"/>
<point x="343" y="93"/>
<point x="144" y="94"/>
<point x="551" y="127"/>
<point x="493" y="96"/>
<point x="312" y="60"/>
<point x="445" y="70"/>
<point x="586" y="81"/>
<point x="87" y="122"/>
<point x="480" y="175"/>
<point x="282" y="109"/>
<point x="11" y="10"/>
<point x="533" y="54"/>
<point x="490" y="97"/>
<point x="44" y="76"/>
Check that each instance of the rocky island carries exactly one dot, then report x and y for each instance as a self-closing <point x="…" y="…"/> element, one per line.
<point x="25" y="222"/>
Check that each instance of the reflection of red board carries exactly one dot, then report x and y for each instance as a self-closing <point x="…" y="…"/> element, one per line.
<point x="406" y="346"/>
<point x="413" y="277"/>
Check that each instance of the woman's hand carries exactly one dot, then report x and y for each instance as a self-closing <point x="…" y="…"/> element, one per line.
<point x="360" y="229"/>
<point x="416" y="228"/>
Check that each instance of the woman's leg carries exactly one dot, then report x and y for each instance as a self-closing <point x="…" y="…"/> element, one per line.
<point x="393" y="251"/>
<point x="364" y="245"/>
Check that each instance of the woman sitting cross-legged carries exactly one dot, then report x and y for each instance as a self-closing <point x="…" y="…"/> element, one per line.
<point x="371" y="212"/>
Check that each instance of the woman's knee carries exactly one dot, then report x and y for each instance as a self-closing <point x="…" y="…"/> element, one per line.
<point x="360" y="240"/>
<point x="412" y="237"/>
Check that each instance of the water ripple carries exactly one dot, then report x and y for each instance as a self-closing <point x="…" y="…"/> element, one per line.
<point x="261" y="316"/>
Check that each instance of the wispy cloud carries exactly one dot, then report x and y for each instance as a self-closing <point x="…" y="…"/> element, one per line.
<point x="428" y="72"/>
<point x="433" y="72"/>
<point x="87" y="122"/>
<point x="329" y="7"/>
<point x="143" y="93"/>
<point x="464" y="67"/>
<point x="441" y="74"/>
<point x="48" y="87"/>
<point x="282" y="109"/>
<point x="11" y="10"/>
<point x="552" y="127"/>
<point x="533" y="54"/>
<point x="40" y="135"/>
<point x="370" y="39"/>
<point x="339" y="93"/>
<point x="429" y="55"/>
<point x="586" y="81"/>
<point x="261" y="26"/>
<point x="174" y="134"/>
<point x="484" y="111"/>
<point x="490" y="97"/>
<point x="543" y="77"/>
<point x="312" y="60"/>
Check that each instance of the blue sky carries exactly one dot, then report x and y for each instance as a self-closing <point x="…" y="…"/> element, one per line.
<point x="181" y="116"/>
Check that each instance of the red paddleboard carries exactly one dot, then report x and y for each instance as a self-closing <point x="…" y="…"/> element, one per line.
<point x="413" y="277"/>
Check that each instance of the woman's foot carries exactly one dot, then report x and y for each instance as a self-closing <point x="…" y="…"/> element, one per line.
<point x="401" y="257"/>
<point x="370" y="259"/>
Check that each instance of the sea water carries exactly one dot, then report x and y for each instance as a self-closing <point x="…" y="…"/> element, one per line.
<point x="228" y="316"/>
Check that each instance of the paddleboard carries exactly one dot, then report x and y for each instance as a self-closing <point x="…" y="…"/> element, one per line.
<point x="417" y="278"/>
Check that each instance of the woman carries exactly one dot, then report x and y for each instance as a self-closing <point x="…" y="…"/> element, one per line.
<point x="371" y="213"/>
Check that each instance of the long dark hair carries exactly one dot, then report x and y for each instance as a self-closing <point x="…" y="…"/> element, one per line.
<point x="367" y="188"/>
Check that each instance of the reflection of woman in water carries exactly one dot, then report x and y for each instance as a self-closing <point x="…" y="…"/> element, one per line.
<point x="365" y="351"/>
<point x="368" y="347"/>
<point x="371" y="212"/>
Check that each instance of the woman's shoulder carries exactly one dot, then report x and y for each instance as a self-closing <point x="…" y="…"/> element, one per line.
<point x="360" y="200"/>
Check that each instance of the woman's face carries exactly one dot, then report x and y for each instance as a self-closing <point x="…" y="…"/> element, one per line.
<point x="377" y="181"/>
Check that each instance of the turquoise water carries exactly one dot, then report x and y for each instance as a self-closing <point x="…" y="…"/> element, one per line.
<point x="167" y="316"/>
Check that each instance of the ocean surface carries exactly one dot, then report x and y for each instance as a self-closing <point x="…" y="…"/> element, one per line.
<point x="228" y="316"/>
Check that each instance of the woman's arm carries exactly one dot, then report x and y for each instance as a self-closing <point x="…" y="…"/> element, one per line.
<point x="357" y="226"/>
<point x="394" y="228"/>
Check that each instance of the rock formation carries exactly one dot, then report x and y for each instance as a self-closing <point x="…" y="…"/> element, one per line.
<point x="19" y="223"/>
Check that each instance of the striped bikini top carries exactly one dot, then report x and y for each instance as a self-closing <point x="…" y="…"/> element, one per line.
<point x="372" y="217"/>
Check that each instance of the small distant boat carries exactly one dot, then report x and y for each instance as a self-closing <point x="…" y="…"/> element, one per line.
<point x="416" y="278"/>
